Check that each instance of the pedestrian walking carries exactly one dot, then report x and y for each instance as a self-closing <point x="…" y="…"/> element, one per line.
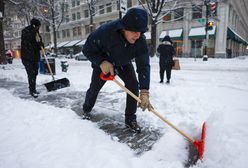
<point x="166" y="52"/>
<point x="111" y="49"/>
<point x="31" y="43"/>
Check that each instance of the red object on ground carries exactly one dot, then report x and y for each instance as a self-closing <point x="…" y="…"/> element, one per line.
<point x="199" y="145"/>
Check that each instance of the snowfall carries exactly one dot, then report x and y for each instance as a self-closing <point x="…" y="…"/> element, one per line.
<point x="41" y="135"/>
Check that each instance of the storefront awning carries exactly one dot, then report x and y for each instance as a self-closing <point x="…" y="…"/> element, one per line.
<point x="231" y="34"/>
<point x="49" y="46"/>
<point x="81" y="43"/>
<point x="200" y="32"/>
<point x="174" y="34"/>
<point x="62" y="44"/>
<point x="72" y="43"/>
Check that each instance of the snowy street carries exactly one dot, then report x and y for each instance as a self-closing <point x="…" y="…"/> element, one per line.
<point x="47" y="133"/>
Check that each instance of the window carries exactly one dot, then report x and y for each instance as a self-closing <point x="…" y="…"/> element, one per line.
<point x="57" y="34"/>
<point x="74" y="30"/>
<point x="73" y="3"/>
<point x="47" y="29"/>
<point x="78" y="16"/>
<point x="118" y="5"/>
<point x="109" y="7"/>
<point x="86" y="13"/>
<point x="178" y="14"/>
<point x="63" y="33"/>
<point x="79" y="31"/>
<point x="73" y="16"/>
<point x="129" y="3"/>
<point x="196" y="12"/>
<point x="87" y="29"/>
<point x="78" y="2"/>
<point x="101" y="9"/>
<point x="67" y="19"/>
<point x="68" y="33"/>
<point x="66" y="7"/>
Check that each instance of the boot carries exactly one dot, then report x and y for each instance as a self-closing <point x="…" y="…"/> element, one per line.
<point x="35" y="95"/>
<point x="86" y="115"/>
<point x="133" y="125"/>
<point x="36" y="92"/>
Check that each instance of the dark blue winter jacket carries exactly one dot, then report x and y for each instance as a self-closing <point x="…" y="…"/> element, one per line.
<point x="166" y="52"/>
<point x="108" y="43"/>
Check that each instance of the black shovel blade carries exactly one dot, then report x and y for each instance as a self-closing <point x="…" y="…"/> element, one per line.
<point x="57" y="84"/>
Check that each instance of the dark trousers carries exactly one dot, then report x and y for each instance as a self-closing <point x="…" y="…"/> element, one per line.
<point x="128" y="76"/>
<point x="32" y="72"/>
<point x="168" y="73"/>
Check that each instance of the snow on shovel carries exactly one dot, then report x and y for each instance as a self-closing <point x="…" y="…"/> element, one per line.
<point x="198" y="144"/>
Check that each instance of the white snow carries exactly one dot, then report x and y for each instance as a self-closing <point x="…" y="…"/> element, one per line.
<point x="44" y="136"/>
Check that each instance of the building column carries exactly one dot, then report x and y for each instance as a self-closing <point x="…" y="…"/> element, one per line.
<point x="221" y="32"/>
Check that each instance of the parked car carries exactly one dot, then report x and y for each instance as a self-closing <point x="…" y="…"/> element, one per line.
<point x="80" y="57"/>
<point x="51" y="54"/>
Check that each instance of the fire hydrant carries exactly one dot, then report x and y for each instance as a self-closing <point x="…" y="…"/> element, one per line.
<point x="64" y="66"/>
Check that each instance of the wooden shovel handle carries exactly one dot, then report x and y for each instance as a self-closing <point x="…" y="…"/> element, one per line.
<point x="44" y="54"/>
<point x="153" y="111"/>
<point x="48" y="65"/>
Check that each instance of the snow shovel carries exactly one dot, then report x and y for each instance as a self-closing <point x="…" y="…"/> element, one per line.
<point x="198" y="144"/>
<point x="55" y="84"/>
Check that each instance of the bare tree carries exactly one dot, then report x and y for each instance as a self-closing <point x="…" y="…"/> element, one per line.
<point x="2" y="49"/>
<point x="154" y="9"/>
<point x="53" y="13"/>
<point x="45" y="10"/>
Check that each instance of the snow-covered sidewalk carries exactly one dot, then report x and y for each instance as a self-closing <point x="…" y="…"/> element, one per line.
<point x="42" y="135"/>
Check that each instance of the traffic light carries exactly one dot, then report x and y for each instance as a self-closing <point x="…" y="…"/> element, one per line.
<point x="209" y="25"/>
<point x="213" y="9"/>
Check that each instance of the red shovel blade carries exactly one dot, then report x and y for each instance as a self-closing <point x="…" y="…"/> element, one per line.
<point x="199" y="145"/>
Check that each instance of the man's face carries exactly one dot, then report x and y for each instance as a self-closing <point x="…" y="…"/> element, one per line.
<point x="131" y="36"/>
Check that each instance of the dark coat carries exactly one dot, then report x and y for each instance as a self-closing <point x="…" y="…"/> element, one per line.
<point x="108" y="43"/>
<point x="30" y="46"/>
<point x="166" y="52"/>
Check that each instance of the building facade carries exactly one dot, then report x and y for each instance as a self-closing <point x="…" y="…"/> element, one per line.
<point x="185" y="23"/>
<point x="228" y="38"/>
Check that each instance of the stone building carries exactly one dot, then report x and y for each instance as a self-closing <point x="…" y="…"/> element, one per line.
<point x="185" y="23"/>
<point x="228" y="38"/>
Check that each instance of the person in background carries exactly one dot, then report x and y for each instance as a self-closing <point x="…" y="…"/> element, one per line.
<point x="166" y="52"/>
<point x="110" y="49"/>
<point x="31" y="43"/>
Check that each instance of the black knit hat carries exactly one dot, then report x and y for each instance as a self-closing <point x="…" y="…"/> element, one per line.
<point x="167" y="38"/>
<point x="135" y="20"/>
<point x="35" y="22"/>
